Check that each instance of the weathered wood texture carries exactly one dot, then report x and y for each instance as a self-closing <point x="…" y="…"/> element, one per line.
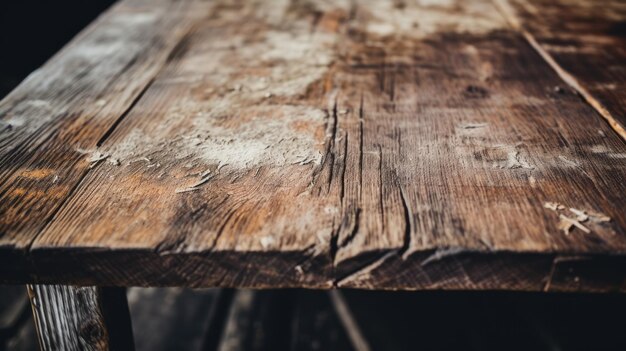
<point x="70" y="104"/>
<point x="362" y="144"/>
<point x="586" y="41"/>
<point x="81" y="318"/>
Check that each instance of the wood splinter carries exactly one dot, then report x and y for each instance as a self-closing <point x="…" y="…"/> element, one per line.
<point x="194" y="186"/>
<point x="567" y="223"/>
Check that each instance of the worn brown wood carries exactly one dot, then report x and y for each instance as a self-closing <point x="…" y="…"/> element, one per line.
<point x="70" y="104"/>
<point x="585" y="42"/>
<point x="81" y="318"/>
<point x="355" y="144"/>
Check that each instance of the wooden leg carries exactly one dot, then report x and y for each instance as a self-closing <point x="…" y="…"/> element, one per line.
<point x="81" y="318"/>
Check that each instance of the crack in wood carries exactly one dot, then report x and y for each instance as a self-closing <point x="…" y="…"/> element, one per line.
<point x="361" y="122"/>
<point x="343" y="171"/>
<point x="99" y="143"/>
<point x="405" y="251"/>
<point x="351" y="219"/>
<point x="365" y="268"/>
<point x="380" y="188"/>
<point x="333" y="138"/>
<point x="444" y="253"/>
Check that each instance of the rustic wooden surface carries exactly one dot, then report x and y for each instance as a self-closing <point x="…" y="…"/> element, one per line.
<point x="70" y="104"/>
<point x="81" y="318"/>
<point x="585" y="41"/>
<point x="365" y="144"/>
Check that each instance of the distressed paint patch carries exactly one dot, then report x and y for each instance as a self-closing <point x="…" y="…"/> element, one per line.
<point x="424" y="18"/>
<point x="272" y="136"/>
<point x="236" y="113"/>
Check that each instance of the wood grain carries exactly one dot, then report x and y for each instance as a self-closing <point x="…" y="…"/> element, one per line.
<point x="585" y="41"/>
<point x="80" y="318"/>
<point x="69" y="105"/>
<point x="362" y="144"/>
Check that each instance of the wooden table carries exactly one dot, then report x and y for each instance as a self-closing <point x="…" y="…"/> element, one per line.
<point x="320" y="144"/>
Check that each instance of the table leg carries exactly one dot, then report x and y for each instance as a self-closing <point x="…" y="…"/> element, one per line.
<point x="81" y="318"/>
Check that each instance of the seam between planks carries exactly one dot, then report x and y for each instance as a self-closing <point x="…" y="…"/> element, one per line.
<point x="508" y="13"/>
<point x="101" y="141"/>
<point x="80" y="181"/>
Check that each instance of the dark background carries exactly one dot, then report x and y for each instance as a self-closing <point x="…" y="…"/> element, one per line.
<point x="31" y="31"/>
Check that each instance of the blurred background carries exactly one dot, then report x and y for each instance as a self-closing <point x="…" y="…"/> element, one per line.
<point x="223" y="319"/>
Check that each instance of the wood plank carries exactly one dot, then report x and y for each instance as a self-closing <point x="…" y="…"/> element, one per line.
<point x="81" y="318"/>
<point x="69" y="105"/>
<point x="586" y="42"/>
<point x="469" y="149"/>
<point x="366" y="145"/>
<point x="254" y="124"/>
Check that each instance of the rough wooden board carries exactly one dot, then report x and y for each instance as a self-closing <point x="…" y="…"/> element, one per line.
<point x="586" y="42"/>
<point x="69" y="105"/>
<point x="244" y="104"/>
<point x="480" y="144"/>
<point x="370" y="145"/>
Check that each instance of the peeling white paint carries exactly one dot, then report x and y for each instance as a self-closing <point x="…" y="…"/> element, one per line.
<point x="428" y="17"/>
<point x="271" y="136"/>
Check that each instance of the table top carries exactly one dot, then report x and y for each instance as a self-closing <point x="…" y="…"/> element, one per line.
<point x="360" y="144"/>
